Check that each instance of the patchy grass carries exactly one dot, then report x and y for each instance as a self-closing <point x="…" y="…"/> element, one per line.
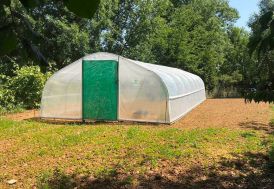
<point x="50" y="156"/>
<point x="229" y="150"/>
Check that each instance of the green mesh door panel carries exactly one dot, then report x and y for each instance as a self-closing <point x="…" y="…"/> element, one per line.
<point x="100" y="89"/>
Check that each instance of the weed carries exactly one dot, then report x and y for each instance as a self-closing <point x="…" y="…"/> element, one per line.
<point x="132" y="132"/>
<point x="248" y="134"/>
<point x="56" y="180"/>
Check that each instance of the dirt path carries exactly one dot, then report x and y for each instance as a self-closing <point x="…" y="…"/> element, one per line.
<point x="23" y="115"/>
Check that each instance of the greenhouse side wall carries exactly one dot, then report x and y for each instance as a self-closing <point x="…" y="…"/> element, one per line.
<point x="178" y="107"/>
<point x="185" y="90"/>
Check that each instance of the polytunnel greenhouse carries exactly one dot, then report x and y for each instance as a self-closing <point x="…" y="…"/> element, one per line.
<point x="104" y="86"/>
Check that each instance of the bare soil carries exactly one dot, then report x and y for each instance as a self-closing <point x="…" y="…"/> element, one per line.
<point x="232" y="113"/>
<point x="28" y="114"/>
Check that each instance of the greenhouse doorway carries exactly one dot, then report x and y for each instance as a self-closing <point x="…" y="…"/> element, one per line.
<point x="100" y="89"/>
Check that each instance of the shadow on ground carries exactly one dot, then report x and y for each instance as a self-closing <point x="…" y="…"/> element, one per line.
<point x="268" y="128"/>
<point x="241" y="171"/>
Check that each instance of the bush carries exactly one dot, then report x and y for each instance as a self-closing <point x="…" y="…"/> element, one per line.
<point x="7" y="102"/>
<point x="24" y="89"/>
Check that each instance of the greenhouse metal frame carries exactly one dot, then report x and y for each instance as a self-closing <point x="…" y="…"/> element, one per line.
<point x="109" y="87"/>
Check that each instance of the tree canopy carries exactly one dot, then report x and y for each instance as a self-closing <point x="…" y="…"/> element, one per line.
<point x="261" y="44"/>
<point x="16" y="23"/>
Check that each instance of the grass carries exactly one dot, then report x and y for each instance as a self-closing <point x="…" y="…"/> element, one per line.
<point x="156" y="143"/>
<point x="53" y="156"/>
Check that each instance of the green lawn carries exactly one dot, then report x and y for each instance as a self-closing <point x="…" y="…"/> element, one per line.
<point x="51" y="156"/>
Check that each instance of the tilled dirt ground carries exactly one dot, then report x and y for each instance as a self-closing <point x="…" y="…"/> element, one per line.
<point x="232" y="113"/>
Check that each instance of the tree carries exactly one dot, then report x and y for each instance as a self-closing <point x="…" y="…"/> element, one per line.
<point x="234" y="73"/>
<point x="197" y="40"/>
<point x="16" y="28"/>
<point x="190" y="35"/>
<point x="194" y="35"/>
<point x="66" y="36"/>
<point x="124" y="27"/>
<point x="262" y="43"/>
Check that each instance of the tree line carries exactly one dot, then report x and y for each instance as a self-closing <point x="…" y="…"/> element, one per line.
<point x="198" y="36"/>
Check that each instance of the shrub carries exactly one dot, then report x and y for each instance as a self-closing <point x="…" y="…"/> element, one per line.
<point x="24" y="89"/>
<point x="7" y="101"/>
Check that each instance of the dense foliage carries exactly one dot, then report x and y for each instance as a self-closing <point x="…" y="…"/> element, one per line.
<point x="198" y="36"/>
<point x="24" y="89"/>
<point x="15" y="24"/>
<point x="261" y="44"/>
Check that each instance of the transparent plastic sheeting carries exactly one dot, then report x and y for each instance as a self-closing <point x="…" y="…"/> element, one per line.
<point x="185" y="90"/>
<point x="142" y="95"/>
<point x="147" y="92"/>
<point x="62" y="95"/>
